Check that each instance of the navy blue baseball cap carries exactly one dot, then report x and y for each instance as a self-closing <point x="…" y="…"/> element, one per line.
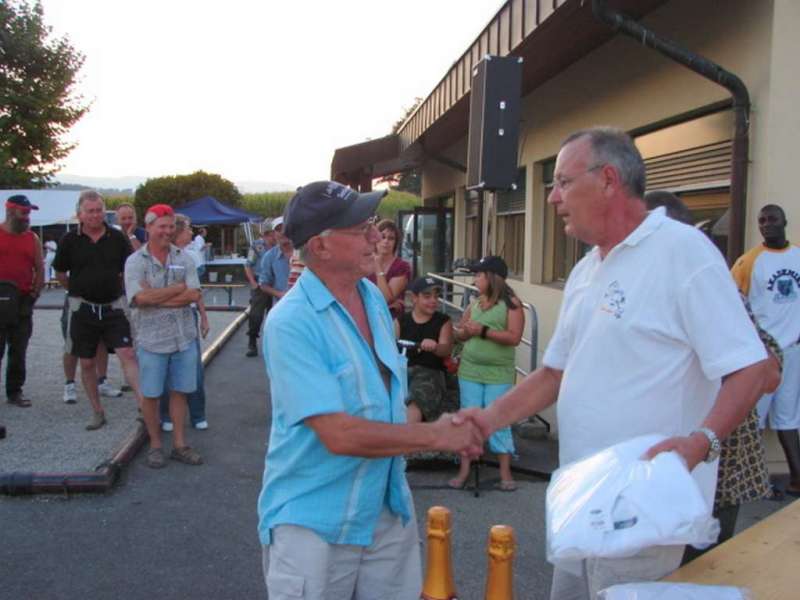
<point x="491" y="264"/>
<point x="326" y="205"/>
<point x="421" y="284"/>
<point x="20" y="201"/>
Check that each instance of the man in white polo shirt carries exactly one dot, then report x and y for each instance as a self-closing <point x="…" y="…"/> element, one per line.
<point x="649" y="325"/>
<point x="769" y="275"/>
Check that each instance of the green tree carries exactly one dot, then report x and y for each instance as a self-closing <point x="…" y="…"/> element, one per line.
<point x="179" y="189"/>
<point x="38" y="101"/>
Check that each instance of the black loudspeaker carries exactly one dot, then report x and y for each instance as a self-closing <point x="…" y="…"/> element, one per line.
<point x="494" y="123"/>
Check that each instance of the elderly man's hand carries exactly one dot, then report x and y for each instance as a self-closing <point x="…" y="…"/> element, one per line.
<point x="693" y="449"/>
<point x="462" y="437"/>
<point x="478" y="417"/>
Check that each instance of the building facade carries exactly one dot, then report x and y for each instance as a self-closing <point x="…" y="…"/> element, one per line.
<point x="577" y="72"/>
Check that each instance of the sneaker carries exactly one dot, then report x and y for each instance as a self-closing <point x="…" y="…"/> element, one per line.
<point x="98" y="420"/>
<point x="202" y="425"/>
<point x="108" y="390"/>
<point x="70" y="393"/>
<point x="167" y="426"/>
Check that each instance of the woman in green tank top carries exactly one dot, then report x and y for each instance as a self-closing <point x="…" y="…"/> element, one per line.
<point x="491" y="329"/>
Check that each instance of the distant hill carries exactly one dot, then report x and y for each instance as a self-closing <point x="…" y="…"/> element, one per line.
<point x="128" y="185"/>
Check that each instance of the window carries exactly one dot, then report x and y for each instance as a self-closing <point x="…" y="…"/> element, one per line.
<point x="561" y="251"/>
<point x="511" y="226"/>
<point x="473" y="221"/>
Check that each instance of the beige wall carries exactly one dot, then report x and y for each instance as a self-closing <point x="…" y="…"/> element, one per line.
<point x="628" y="86"/>
<point x="779" y="124"/>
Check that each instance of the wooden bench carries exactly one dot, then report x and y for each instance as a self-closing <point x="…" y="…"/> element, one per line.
<point x="227" y="286"/>
<point x="763" y="558"/>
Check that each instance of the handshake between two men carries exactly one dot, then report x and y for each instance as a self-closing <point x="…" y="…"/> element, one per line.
<point x="463" y="432"/>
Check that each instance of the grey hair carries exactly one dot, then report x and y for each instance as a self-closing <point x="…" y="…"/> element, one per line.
<point x="89" y="195"/>
<point x="615" y="147"/>
<point x="182" y="222"/>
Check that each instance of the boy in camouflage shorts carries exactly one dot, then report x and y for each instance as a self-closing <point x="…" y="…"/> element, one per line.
<point x="432" y="332"/>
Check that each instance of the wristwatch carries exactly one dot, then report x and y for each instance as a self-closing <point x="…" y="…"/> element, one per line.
<point x="714" y="445"/>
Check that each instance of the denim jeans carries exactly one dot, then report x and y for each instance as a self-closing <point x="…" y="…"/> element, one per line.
<point x="197" y="399"/>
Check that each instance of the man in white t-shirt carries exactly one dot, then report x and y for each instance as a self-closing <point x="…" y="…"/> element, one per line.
<point x="769" y="275"/>
<point x="649" y="325"/>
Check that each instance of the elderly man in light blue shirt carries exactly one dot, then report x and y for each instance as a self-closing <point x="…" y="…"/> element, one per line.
<point x="336" y="516"/>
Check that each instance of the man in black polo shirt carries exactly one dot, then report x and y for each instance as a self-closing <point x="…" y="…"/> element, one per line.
<point x="95" y="258"/>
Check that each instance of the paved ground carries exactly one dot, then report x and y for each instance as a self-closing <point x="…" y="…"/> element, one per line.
<point x="50" y="435"/>
<point x="191" y="531"/>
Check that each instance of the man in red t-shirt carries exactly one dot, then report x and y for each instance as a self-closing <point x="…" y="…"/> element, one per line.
<point x="21" y="277"/>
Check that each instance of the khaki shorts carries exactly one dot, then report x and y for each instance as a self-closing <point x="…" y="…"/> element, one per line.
<point x="300" y="564"/>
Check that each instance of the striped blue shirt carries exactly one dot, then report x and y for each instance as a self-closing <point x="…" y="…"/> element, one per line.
<point x="318" y="363"/>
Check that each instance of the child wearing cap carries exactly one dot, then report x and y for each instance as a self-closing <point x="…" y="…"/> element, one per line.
<point x="433" y="333"/>
<point x="490" y="328"/>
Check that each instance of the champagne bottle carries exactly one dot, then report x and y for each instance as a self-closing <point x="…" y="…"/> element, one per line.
<point x="439" y="568"/>
<point x="500" y="581"/>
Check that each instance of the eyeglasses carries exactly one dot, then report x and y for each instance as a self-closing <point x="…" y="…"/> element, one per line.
<point x="562" y="183"/>
<point x="364" y="229"/>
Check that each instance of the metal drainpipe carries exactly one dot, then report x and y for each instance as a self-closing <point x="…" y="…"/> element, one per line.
<point x="715" y="73"/>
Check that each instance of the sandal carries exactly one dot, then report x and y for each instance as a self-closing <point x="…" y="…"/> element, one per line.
<point x="186" y="455"/>
<point x="155" y="458"/>
<point x="457" y="484"/>
<point x="506" y="486"/>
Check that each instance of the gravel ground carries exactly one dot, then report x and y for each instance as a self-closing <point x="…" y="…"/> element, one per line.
<point x="50" y="436"/>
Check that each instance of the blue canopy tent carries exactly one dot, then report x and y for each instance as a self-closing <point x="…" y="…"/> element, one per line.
<point x="210" y="211"/>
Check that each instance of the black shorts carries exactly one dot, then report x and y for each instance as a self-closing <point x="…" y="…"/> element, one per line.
<point x="89" y="324"/>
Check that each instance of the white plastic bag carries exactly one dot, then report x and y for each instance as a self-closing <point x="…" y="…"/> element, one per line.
<point x="613" y="504"/>
<point x="673" y="591"/>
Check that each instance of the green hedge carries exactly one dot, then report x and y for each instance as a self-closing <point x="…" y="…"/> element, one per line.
<point x="272" y="204"/>
<point x="112" y="202"/>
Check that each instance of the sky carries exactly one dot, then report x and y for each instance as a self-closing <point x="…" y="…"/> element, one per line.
<point x="251" y="89"/>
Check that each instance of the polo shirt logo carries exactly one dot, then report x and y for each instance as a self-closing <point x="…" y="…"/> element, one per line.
<point x="781" y="281"/>
<point x="614" y="300"/>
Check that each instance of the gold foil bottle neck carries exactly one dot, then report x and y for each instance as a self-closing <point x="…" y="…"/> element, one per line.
<point x="501" y="548"/>
<point x="439" y="583"/>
